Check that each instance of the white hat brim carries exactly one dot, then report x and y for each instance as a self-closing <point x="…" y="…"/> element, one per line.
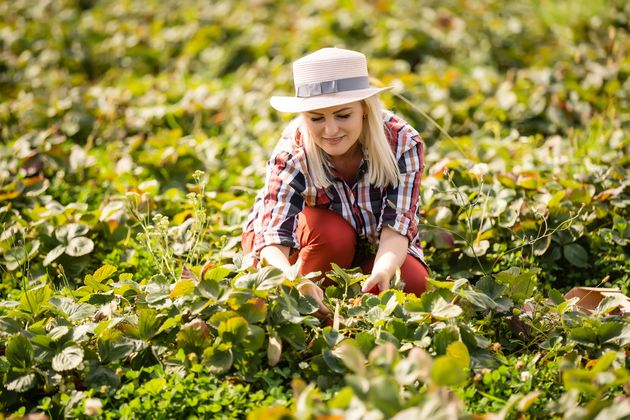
<point x="295" y="104"/>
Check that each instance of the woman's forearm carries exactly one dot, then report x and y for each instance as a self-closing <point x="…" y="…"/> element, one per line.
<point x="276" y="255"/>
<point x="391" y="254"/>
<point x="392" y="251"/>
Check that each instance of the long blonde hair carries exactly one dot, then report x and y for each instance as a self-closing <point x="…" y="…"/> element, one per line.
<point x="382" y="165"/>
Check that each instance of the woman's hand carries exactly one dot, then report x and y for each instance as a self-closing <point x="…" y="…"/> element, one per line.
<point x="308" y="288"/>
<point x="378" y="279"/>
<point x="391" y="254"/>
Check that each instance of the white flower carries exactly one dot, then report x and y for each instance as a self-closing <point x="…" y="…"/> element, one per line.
<point x="525" y="376"/>
<point x="303" y="365"/>
<point x="92" y="406"/>
<point x="479" y="169"/>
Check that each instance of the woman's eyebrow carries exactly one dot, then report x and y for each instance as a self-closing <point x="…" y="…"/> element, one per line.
<point x="336" y="112"/>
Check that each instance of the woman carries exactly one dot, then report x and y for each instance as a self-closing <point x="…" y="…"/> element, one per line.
<point x="343" y="183"/>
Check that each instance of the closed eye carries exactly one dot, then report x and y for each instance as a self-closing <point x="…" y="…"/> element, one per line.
<point x="343" y="117"/>
<point x="317" y="119"/>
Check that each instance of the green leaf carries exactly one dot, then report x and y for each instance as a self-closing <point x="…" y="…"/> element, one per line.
<point x="579" y="379"/>
<point x="148" y="324"/>
<point x="182" y="288"/>
<point x="102" y="376"/>
<point x="384" y="394"/>
<point x="576" y="255"/>
<point x="66" y="233"/>
<point x="218" y="358"/>
<point x="9" y="325"/>
<point x="193" y="336"/>
<point x="19" y="351"/>
<point x="155" y="386"/>
<point x="294" y="335"/>
<point x="254" y="310"/>
<point x="447" y="371"/>
<point x="33" y="301"/>
<point x="459" y="352"/>
<point x="350" y="354"/>
<point x="79" y="246"/>
<point x="444" y="337"/>
<point x="233" y="330"/>
<point x="22" y="383"/>
<point x="604" y="362"/>
<point x="254" y="339"/>
<point x="68" y="358"/>
<point x="104" y="273"/>
<point x="113" y="346"/>
<point x="520" y="285"/>
<point x="443" y="310"/>
<point x="583" y="335"/>
<point x="54" y="254"/>
<point x="333" y="362"/>
<point x="71" y="310"/>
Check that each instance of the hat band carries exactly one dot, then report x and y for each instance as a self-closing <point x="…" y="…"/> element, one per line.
<point x="331" y="86"/>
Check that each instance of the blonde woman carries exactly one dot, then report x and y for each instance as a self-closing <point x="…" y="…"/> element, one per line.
<point x="343" y="182"/>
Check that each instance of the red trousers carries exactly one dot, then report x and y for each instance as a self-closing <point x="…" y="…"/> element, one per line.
<point x="325" y="238"/>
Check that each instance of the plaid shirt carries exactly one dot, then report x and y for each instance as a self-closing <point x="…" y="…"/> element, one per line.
<point x="288" y="188"/>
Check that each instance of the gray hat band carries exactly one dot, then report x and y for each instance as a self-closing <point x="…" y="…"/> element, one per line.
<point x="332" y="86"/>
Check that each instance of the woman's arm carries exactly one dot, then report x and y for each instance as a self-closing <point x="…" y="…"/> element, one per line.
<point x="391" y="254"/>
<point x="278" y="256"/>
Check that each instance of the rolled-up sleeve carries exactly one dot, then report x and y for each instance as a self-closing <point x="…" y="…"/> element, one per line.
<point x="282" y="200"/>
<point x="401" y="203"/>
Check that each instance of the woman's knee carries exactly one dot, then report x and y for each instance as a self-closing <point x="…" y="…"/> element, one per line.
<point x="414" y="274"/>
<point x="325" y="238"/>
<point x="326" y="229"/>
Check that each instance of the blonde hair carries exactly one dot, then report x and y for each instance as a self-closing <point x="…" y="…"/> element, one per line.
<point x="382" y="165"/>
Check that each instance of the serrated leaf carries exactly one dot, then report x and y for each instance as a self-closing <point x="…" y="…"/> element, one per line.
<point x="254" y="310"/>
<point x="447" y="372"/>
<point x="218" y="358"/>
<point x="68" y="358"/>
<point x="351" y="356"/>
<point x="54" y="254"/>
<point x="443" y="310"/>
<point x="22" y="383"/>
<point x="576" y="255"/>
<point x="148" y="324"/>
<point x="79" y="246"/>
<point x="104" y="273"/>
<point x="233" y="330"/>
<point x="332" y="361"/>
<point x="155" y="386"/>
<point x="19" y="351"/>
<point x="33" y="301"/>
<point x="459" y="353"/>
<point x="67" y="232"/>
<point x="182" y="288"/>
<point x="102" y="376"/>
<point x="112" y="346"/>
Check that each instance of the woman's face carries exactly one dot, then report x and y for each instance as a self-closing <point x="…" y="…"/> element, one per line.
<point x="336" y="129"/>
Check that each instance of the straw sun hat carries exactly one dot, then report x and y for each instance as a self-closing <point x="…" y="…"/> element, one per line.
<point x="325" y="78"/>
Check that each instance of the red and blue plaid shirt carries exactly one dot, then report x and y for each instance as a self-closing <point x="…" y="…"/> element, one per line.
<point x="288" y="188"/>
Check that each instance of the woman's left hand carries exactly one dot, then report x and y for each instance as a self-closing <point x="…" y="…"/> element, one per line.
<point x="378" y="279"/>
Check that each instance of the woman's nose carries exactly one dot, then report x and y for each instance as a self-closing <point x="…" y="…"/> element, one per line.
<point x="330" y="128"/>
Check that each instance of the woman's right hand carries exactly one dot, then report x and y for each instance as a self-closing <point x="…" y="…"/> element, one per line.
<point x="308" y="288"/>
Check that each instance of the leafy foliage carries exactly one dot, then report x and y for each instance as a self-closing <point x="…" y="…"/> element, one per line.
<point x="134" y="136"/>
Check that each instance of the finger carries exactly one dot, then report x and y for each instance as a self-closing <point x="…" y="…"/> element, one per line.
<point x="324" y="309"/>
<point x="369" y="284"/>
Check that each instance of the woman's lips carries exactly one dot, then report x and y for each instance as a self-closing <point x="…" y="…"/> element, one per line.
<point x="333" y="140"/>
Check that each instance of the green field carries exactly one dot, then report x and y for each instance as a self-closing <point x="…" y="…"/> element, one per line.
<point x="133" y="139"/>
